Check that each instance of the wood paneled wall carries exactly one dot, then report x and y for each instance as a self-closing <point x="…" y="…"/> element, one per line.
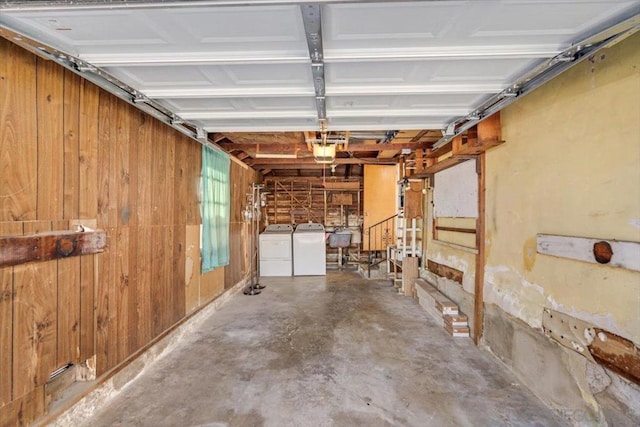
<point x="241" y="180"/>
<point x="71" y="153"/>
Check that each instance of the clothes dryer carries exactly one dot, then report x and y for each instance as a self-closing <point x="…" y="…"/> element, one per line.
<point x="275" y="250"/>
<point x="309" y="250"/>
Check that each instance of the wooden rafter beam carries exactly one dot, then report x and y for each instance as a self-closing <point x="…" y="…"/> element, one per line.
<point x="419" y="135"/>
<point x="339" y="182"/>
<point x="218" y="137"/>
<point x="317" y="166"/>
<point x="276" y="163"/>
<point x="353" y="147"/>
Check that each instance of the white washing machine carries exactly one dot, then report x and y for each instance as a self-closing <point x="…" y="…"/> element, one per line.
<point x="275" y="250"/>
<point x="309" y="250"/>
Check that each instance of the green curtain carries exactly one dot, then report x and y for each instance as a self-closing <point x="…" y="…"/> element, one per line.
<point x="216" y="201"/>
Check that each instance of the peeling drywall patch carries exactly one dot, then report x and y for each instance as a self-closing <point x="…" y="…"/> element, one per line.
<point x="506" y="288"/>
<point x="509" y="290"/>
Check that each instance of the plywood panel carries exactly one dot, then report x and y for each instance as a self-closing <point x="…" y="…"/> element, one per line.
<point x="239" y="189"/>
<point x="88" y="151"/>
<point x="101" y="314"/>
<point x="130" y="294"/>
<point x="6" y="333"/>
<point x="181" y="197"/>
<point x="133" y="170"/>
<point x="18" y="136"/>
<point x="6" y="315"/>
<point x="177" y="264"/>
<point x="143" y="134"/>
<point x="71" y="128"/>
<point x="104" y="159"/>
<point x="181" y="182"/>
<point x="34" y="325"/>
<point x="158" y="290"/>
<point x="144" y="286"/>
<point x="88" y="274"/>
<point x="211" y="285"/>
<point x="106" y="306"/>
<point x="158" y="176"/>
<point x="121" y="288"/>
<point x="192" y="267"/>
<point x="169" y="284"/>
<point x="136" y="120"/>
<point x="234" y="271"/>
<point x="194" y="162"/>
<point x="24" y="410"/>
<point x="121" y="163"/>
<point x="50" y="95"/>
<point x="170" y="142"/>
<point x="68" y="309"/>
<point x="379" y="203"/>
<point x="107" y="162"/>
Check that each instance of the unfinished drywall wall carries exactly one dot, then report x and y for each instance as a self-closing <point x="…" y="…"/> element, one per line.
<point x="74" y="154"/>
<point x="570" y="166"/>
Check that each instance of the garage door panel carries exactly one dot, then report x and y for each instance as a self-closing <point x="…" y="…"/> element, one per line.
<point x="235" y="30"/>
<point x="240" y="104"/>
<point x="460" y="100"/>
<point x="425" y="25"/>
<point x="421" y="72"/>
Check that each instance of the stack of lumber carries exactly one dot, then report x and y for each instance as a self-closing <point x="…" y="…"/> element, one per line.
<point x="456" y="325"/>
<point x="442" y="309"/>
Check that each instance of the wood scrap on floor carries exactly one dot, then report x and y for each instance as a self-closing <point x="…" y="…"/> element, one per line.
<point x="456" y="325"/>
<point x="442" y="309"/>
<point x="410" y="269"/>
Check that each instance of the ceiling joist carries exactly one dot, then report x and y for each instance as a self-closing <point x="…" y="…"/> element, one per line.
<point x="277" y="163"/>
<point x="352" y="147"/>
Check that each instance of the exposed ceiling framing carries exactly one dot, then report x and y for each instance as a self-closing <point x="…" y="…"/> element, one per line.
<point x="253" y="76"/>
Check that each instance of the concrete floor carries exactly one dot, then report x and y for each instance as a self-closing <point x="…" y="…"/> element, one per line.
<point x="316" y="351"/>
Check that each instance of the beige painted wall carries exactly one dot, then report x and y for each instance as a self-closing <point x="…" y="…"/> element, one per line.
<point x="570" y="166"/>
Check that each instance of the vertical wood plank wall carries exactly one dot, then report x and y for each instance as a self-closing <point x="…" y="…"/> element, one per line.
<point x="71" y="153"/>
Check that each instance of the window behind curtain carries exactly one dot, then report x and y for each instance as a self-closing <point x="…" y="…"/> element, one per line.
<point x="215" y="209"/>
